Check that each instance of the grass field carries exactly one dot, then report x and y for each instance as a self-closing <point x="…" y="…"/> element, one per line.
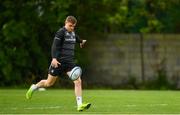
<point x="103" y="102"/>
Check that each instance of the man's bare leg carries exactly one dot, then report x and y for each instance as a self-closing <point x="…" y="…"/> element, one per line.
<point x="48" y="82"/>
<point x="78" y="90"/>
<point x="43" y="83"/>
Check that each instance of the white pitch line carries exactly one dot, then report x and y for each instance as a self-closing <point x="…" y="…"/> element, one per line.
<point x="159" y="104"/>
<point x="131" y="105"/>
<point x="51" y="107"/>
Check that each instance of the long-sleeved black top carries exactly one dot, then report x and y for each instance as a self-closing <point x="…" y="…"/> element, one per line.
<point x="63" y="45"/>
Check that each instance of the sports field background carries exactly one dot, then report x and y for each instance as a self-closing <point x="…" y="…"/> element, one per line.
<point x="58" y="101"/>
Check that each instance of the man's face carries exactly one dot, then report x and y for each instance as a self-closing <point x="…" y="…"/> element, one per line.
<point x="70" y="26"/>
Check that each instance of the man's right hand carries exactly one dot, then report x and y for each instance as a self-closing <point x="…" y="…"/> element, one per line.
<point x="54" y="63"/>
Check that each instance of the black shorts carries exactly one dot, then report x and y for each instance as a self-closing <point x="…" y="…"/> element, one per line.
<point x="61" y="69"/>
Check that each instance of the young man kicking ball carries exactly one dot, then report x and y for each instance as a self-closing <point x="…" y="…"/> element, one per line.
<point x="63" y="61"/>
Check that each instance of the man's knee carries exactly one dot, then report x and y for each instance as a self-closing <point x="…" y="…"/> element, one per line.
<point x="50" y="81"/>
<point x="78" y="82"/>
<point x="48" y="84"/>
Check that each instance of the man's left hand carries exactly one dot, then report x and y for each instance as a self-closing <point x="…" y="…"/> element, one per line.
<point x="82" y="44"/>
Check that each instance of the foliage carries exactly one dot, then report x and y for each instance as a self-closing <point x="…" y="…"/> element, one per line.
<point x="28" y="27"/>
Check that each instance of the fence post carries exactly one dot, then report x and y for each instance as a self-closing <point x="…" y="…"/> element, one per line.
<point x="142" y="57"/>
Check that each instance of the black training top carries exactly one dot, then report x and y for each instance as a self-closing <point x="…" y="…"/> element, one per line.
<point x="63" y="45"/>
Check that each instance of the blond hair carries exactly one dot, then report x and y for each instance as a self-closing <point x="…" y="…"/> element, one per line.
<point x="71" y="19"/>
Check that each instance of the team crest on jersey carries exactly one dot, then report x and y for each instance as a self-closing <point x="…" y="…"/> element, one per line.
<point x="70" y="36"/>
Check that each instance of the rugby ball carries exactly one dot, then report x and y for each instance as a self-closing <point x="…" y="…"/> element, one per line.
<point x="75" y="73"/>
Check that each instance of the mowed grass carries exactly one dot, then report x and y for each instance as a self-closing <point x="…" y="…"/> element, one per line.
<point x="103" y="102"/>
